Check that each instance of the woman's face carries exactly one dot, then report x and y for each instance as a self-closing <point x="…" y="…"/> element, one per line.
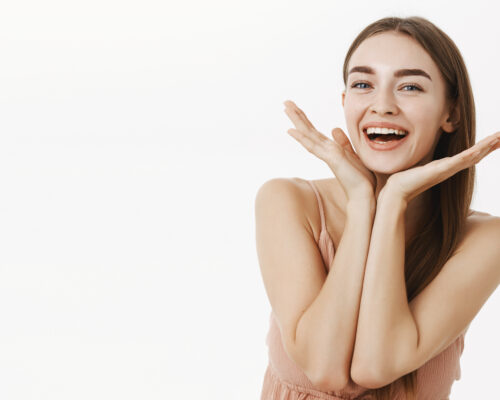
<point x="413" y="101"/>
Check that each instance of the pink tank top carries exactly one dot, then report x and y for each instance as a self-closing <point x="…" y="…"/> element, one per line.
<point x="284" y="380"/>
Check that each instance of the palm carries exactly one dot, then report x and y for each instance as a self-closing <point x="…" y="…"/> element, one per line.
<point x="358" y="164"/>
<point x="354" y="177"/>
<point x="411" y="182"/>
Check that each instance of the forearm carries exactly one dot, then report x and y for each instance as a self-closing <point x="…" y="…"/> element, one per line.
<point x="385" y="320"/>
<point x="326" y="331"/>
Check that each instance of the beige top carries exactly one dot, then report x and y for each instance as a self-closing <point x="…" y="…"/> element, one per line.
<point x="284" y="380"/>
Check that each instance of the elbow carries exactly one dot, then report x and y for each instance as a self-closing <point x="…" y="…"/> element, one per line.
<point x="331" y="378"/>
<point x="369" y="377"/>
<point x="320" y="380"/>
<point x="331" y="382"/>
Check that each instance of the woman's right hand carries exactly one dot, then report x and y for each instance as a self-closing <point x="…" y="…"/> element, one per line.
<point x="357" y="181"/>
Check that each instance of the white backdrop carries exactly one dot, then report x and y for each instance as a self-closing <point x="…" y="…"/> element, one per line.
<point x="134" y="136"/>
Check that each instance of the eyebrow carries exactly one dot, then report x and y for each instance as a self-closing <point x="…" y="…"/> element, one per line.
<point x="398" y="74"/>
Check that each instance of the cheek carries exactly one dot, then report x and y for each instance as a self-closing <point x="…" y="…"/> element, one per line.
<point x="427" y="123"/>
<point x="352" y="120"/>
<point x="353" y="112"/>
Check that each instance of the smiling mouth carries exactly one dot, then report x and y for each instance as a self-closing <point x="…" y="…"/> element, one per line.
<point x="384" y="137"/>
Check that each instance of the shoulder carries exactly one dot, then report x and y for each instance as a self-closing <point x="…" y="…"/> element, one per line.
<point x="480" y="242"/>
<point x="302" y="190"/>
<point x="479" y="247"/>
<point x="287" y="194"/>
<point x="292" y="191"/>
<point x="293" y="196"/>
<point x="482" y="224"/>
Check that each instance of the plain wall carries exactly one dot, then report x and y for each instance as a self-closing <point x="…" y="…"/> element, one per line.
<point x="133" y="139"/>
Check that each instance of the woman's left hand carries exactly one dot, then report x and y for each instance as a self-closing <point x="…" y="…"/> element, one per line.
<point x="411" y="182"/>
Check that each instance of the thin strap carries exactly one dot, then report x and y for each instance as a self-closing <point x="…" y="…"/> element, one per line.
<point x="321" y="212"/>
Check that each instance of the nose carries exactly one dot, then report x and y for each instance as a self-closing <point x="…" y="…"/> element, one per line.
<point x="384" y="103"/>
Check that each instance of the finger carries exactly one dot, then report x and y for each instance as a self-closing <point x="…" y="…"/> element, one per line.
<point x="297" y="116"/>
<point x="305" y="140"/>
<point x="481" y="149"/>
<point x="314" y="143"/>
<point x="467" y="158"/>
<point x="492" y="146"/>
<point x="297" y="120"/>
<point x="439" y="170"/>
<point x="488" y="141"/>
<point x="496" y="146"/>
<point x="304" y="117"/>
<point x="312" y="135"/>
<point x="307" y="130"/>
<point x="340" y="137"/>
<point x="303" y="124"/>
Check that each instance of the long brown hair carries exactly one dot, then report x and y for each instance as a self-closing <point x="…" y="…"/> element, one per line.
<point x="427" y="251"/>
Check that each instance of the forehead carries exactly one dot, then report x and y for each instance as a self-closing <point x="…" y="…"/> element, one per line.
<point x="389" y="51"/>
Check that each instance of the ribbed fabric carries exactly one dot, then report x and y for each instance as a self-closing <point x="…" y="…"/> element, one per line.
<point x="284" y="380"/>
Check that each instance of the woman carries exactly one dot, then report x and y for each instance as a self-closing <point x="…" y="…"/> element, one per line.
<point x="375" y="275"/>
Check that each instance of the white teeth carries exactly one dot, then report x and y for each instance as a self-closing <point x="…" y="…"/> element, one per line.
<point x="386" y="131"/>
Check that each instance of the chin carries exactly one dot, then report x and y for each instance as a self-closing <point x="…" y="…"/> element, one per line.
<point x="386" y="171"/>
<point x="384" y="167"/>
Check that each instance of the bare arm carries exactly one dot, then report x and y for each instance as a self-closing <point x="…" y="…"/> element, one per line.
<point x="318" y="312"/>
<point x="327" y="329"/>
<point x="384" y="310"/>
<point x="395" y="337"/>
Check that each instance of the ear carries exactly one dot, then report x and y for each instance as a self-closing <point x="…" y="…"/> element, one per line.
<point x="343" y="97"/>
<point x="452" y="119"/>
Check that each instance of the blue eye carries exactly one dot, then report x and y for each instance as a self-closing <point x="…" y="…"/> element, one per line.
<point x="359" y="83"/>
<point x="413" y="86"/>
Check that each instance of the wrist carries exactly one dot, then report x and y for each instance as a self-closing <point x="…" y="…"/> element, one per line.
<point x="391" y="199"/>
<point x="360" y="195"/>
<point x="362" y="205"/>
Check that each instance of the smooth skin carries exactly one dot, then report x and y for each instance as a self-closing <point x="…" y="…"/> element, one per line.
<point x="388" y="326"/>
<point x="355" y="323"/>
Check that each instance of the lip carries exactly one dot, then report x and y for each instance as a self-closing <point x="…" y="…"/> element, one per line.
<point x="381" y="124"/>
<point x="384" y="147"/>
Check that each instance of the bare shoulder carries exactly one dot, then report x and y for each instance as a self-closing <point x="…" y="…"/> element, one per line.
<point x="481" y="235"/>
<point x="296" y="194"/>
<point x="480" y="214"/>
<point x="284" y="189"/>
<point x="479" y="222"/>
<point x="299" y="192"/>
